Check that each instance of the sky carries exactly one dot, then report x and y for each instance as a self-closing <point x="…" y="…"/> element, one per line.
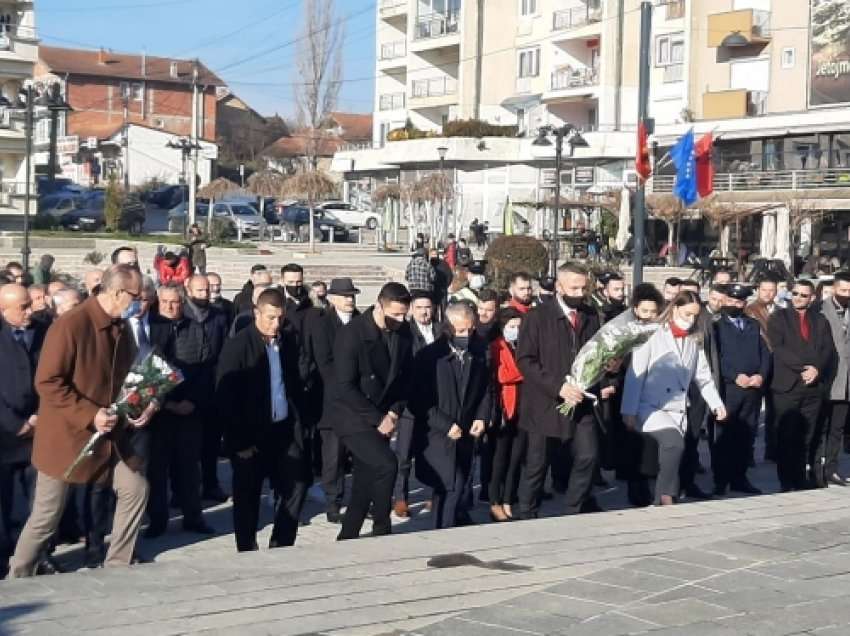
<point x="248" y="43"/>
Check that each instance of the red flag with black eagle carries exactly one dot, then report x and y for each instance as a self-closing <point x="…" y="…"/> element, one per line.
<point x="705" y="167"/>
<point x="642" y="164"/>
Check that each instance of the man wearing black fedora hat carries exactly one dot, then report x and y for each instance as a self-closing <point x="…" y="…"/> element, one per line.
<point x="744" y="367"/>
<point x="342" y="295"/>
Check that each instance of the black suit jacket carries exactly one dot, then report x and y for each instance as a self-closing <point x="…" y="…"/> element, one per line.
<point x="321" y="336"/>
<point x="368" y="382"/>
<point x="419" y="342"/>
<point x="546" y="350"/>
<point x="243" y="391"/>
<point x="18" y="398"/>
<point x="791" y="353"/>
<point x="437" y="404"/>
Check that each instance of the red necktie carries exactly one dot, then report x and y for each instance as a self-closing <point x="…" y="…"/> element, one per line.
<point x="573" y="315"/>
<point x="804" y="326"/>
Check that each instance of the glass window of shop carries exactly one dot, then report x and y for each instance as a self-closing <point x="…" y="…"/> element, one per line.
<point x="819" y="151"/>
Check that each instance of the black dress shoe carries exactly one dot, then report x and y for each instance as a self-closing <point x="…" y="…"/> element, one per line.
<point x="199" y="527"/>
<point x="334" y="515"/>
<point x="94" y="557"/>
<point x="591" y="505"/>
<point x="639" y="494"/>
<point x="695" y="492"/>
<point x="837" y="480"/>
<point x="216" y="494"/>
<point x="153" y="532"/>
<point x="48" y="565"/>
<point x="745" y="487"/>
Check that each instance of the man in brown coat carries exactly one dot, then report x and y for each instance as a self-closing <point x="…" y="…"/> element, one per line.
<point x="85" y="358"/>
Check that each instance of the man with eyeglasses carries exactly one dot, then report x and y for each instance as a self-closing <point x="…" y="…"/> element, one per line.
<point x="803" y="354"/>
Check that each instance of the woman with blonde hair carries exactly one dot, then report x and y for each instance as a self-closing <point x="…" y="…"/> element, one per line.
<point x="655" y="396"/>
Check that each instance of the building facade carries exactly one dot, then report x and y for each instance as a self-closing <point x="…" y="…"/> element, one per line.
<point x="113" y="93"/>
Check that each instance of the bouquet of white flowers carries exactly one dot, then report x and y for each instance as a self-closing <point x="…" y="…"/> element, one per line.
<point x="611" y="342"/>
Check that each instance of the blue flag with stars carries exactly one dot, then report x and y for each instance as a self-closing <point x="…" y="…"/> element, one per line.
<point x="684" y="159"/>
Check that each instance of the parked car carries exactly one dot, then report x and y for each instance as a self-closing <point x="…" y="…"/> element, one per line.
<point x="168" y="196"/>
<point x="57" y="204"/>
<point x="351" y="215"/>
<point x="89" y="216"/>
<point x="177" y="215"/>
<point x="59" y="185"/>
<point x="296" y="219"/>
<point x="244" y="217"/>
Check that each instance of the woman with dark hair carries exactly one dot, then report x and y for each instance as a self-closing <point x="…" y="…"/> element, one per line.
<point x="507" y="455"/>
<point x="655" y="396"/>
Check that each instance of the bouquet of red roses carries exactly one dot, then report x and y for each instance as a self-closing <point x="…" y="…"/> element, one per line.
<point x="148" y="381"/>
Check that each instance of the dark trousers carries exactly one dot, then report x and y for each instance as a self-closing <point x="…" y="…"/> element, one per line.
<point x="404" y="455"/>
<point x="448" y="503"/>
<point x="333" y="468"/>
<point x="831" y="437"/>
<point x="98" y="506"/>
<point x="24" y="474"/>
<point x="485" y="449"/>
<point x="210" y="450"/>
<point x="690" y="459"/>
<point x="509" y="451"/>
<point x="734" y="437"/>
<point x="175" y="450"/>
<point x="582" y="449"/>
<point x="375" y="468"/>
<point x="769" y="426"/>
<point x="797" y="414"/>
<point x="283" y="463"/>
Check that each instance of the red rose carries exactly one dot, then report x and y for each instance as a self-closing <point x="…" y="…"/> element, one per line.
<point x="134" y="399"/>
<point x="173" y="377"/>
<point x="150" y="391"/>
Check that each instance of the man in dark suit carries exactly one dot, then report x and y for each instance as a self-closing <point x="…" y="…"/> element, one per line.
<point x="176" y="431"/>
<point x="451" y="404"/>
<point x="744" y="368"/>
<point x="20" y="346"/>
<point x="242" y="301"/>
<point x="425" y="331"/>
<point x="257" y="393"/>
<point x="803" y="355"/>
<point x="342" y="296"/>
<point x="217" y="300"/>
<point x="372" y="364"/>
<point x="550" y="338"/>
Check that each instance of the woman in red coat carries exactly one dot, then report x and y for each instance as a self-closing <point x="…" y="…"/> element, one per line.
<point x="172" y="268"/>
<point x="507" y="457"/>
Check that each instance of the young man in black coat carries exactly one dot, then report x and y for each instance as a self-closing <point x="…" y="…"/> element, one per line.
<point x="550" y="338"/>
<point x="322" y="333"/>
<point x="258" y="391"/>
<point x="803" y="355"/>
<point x="451" y="404"/>
<point x="372" y="364"/>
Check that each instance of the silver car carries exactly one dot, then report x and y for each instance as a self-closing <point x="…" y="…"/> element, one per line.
<point x="244" y="216"/>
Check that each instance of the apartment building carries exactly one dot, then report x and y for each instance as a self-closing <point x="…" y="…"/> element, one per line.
<point x="770" y="78"/>
<point x="18" y="54"/>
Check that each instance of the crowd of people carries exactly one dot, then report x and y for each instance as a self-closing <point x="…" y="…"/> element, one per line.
<point x="295" y="385"/>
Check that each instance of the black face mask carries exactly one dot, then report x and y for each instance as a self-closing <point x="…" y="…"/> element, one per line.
<point x="842" y="300"/>
<point x="201" y="303"/>
<point x="435" y="261"/>
<point x="732" y="311"/>
<point x="392" y="324"/>
<point x="294" y="291"/>
<point x="573" y="302"/>
<point x="461" y="342"/>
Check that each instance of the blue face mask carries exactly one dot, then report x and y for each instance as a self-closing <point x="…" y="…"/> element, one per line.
<point x="134" y="308"/>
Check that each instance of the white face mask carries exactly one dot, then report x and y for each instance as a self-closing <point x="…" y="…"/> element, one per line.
<point x="511" y="334"/>
<point x="684" y="325"/>
<point x="344" y="316"/>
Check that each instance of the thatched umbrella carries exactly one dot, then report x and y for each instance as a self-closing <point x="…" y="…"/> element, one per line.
<point x="310" y="186"/>
<point x="217" y="189"/>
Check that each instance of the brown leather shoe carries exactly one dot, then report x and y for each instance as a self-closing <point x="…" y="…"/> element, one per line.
<point x="400" y="509"/>
<point x="497" y="513"/>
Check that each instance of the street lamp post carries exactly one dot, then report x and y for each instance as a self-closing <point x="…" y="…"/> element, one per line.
<point x="27" y="95"/>
<point x="442" y="150"/>
<point x="574" y="140"/>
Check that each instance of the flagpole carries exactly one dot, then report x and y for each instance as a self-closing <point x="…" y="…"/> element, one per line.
<point x="643" y="108"/>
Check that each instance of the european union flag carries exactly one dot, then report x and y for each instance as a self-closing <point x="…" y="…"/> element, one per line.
<point x="684" y="159"/>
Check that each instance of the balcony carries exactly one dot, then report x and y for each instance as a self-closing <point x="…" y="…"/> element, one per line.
<point x="737" y="29"/>
<point x="393" y="9"/>
<point x="391" y="101"/>
<point x="674" y="73"/>
<point x="576" y="17"/>
<point x="733" y="104"/>
<point x="572" y="84"/>
<point x="393" y="50"/>
<point x="435" y="26"/>
<point x="765" y="181"/>
<point x="435" y="91"/>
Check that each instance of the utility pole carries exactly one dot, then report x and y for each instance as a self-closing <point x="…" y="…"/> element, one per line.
<point x="125" y="141"/>
<point x="193" y="178"/>
<point x="643" y="109"/>
<point x="52" y="152"/>
<point x="28" y="132"/>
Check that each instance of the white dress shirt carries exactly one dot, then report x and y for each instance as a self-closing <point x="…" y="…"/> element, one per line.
<point x="427" y="332"/>
<point x="280" y="407"/>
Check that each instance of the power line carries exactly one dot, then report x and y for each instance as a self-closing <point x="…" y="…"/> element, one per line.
<point x="118" y="7"/>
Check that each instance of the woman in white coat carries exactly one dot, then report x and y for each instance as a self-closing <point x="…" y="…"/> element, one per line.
<point x="655" y="396"/>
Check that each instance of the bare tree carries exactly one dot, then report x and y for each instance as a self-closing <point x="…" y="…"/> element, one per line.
<point x="319" y="71"/>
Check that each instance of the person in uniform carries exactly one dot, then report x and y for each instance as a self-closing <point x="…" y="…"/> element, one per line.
<point x="744" y="365"/>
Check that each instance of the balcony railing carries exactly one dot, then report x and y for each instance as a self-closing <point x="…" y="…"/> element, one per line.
<point x="674" y="73"/>
<point x="387" y="5"/>
<point x="434" y="87"/>
<point x="567" y="78"/>
<point x="436" y="25"/>
<point x="15" y="188"/>
<point x="576" y="17"/>
<point x="393" y="50"/>
<point x="750" y="181"/>
<point x="391" y="101"/>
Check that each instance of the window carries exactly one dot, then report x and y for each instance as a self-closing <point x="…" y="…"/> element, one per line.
<point x="529" y="63"/>
<point x="789" y="57"/>
<point x="527" y="7"/>
<point x="669" y="49"/>
<point x="138" y="92"/>
<point x="675" y="9"/>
